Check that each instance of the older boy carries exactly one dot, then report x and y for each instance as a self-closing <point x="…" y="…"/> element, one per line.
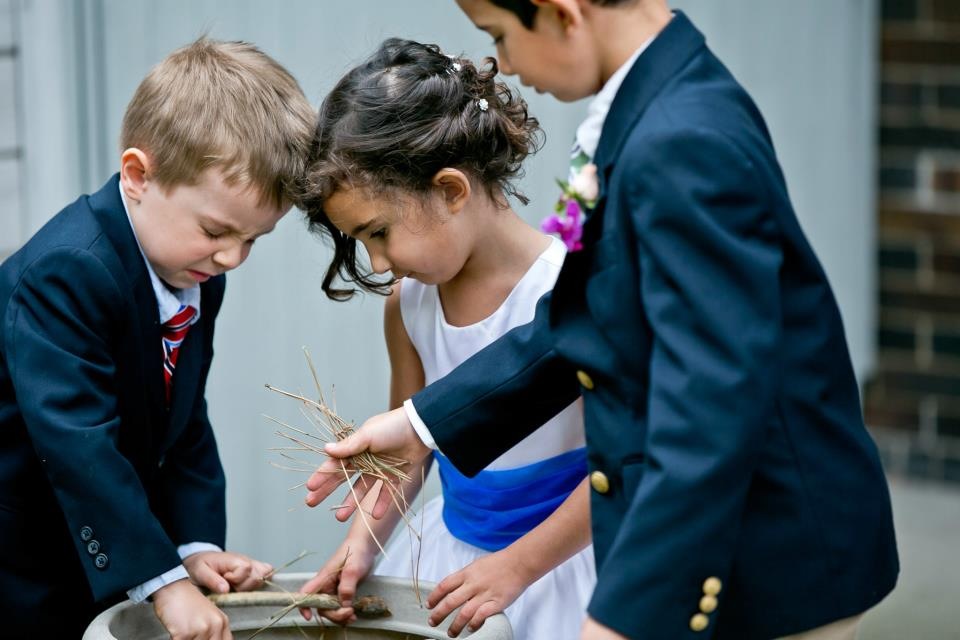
<point x="736" y="493"/>
<point x="110" y="482"/>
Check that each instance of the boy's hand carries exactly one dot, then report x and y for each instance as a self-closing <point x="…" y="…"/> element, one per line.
<point x="186" y="613"/>
<point x="221" y="570"/>
<point x="486" y="586"/>
<point x="348" y="565"/>
<point x="389" y="434"/>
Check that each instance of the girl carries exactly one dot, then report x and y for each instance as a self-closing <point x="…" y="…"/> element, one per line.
<point x="415" y="153"/>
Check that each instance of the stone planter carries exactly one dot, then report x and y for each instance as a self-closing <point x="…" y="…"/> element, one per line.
<point x="128" y="621"/>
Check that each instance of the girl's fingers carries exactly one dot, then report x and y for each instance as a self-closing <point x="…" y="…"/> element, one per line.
<point x="448" y="584"/>
<point x="463" y="617"/>
<point x="485" y="610"/>
<point x="448" y="604"/>
<point x="342" y="615"/>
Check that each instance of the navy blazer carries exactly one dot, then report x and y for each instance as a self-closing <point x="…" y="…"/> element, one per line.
<point x="722" y="415"/>
<point x="99" y="480"/>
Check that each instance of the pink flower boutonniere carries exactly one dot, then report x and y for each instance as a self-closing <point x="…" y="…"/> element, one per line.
<point x="577" y="196"/>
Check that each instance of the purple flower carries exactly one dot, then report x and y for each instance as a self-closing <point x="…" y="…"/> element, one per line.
<point x="575" y="199"/>
<point x="568" y="226"/>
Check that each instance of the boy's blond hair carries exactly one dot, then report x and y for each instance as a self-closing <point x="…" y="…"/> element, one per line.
<point x="226" y="105"/>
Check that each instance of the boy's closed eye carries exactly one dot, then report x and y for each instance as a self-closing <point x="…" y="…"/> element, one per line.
<point x="379" y="233"/>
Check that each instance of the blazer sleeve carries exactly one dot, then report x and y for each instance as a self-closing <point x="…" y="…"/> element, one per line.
<point x="499" y="396"/>
<point x="709" y="259"/>
<point x="58" y="329"/>
<point x="192" y="486"/>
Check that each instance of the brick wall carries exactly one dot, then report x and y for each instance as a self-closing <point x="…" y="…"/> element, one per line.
<point x="912" y="403"/>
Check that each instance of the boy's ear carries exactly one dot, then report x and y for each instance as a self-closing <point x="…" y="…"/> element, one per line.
<point x="455" y="186"/>
<point x="134" y="171"/>
<point x="570" y="12"/>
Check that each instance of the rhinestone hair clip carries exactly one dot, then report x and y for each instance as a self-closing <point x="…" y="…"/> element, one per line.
<point x="455" y="66"/>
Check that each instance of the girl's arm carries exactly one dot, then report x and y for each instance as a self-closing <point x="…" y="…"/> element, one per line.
<point x="490" y="584"/>
<point x="354" y="558"/>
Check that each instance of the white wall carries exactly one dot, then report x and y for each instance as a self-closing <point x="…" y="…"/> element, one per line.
<point x="9" y="145"/>
<point x="809" y="65"/>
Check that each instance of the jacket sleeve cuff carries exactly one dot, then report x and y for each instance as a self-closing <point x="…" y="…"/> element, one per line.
<point x="141" y="592"/>
<point x="191" y="548"/>
<point x="418" y="425"/>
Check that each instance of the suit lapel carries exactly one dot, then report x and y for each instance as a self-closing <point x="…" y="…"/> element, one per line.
<point x="109" y="211"/>
<point x="669" y="52"/>
<point x="662" y="61"/>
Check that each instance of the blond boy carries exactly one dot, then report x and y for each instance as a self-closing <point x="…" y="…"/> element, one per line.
<point x="110" y="481"/>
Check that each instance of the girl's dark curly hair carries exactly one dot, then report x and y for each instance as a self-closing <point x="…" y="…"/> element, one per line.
<point x="398" y="118"/>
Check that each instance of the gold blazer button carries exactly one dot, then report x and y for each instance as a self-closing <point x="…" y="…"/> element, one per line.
<point x="712" y="586"/>
<point x="699" y="622"/>
<point x="585" y="379"/>
<point x="599" y="482"/>
<point x="708" y="604"/>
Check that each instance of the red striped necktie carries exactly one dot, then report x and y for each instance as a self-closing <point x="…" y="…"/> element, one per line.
<point x="174" y="331"/>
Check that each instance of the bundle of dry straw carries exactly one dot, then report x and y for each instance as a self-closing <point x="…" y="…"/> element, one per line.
<point x="328" y="427"/>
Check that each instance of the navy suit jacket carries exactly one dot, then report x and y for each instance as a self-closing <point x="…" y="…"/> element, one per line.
<point x="99" y="480"/>
<point x="720" y="401"/>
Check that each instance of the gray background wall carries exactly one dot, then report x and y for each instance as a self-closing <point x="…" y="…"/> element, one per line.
<point x="810" y="66"/>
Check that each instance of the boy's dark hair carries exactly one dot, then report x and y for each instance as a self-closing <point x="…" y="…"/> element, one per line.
<point x="525" y="10"/>
<point x="394" y="121"/>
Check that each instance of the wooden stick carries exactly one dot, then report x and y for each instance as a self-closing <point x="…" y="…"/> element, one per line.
<point x="274" y="599"/>
<point x="364" y="607"/>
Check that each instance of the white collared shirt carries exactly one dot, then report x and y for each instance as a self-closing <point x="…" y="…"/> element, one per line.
<point x="169" y="303"/>
<point x="588" y="133"/>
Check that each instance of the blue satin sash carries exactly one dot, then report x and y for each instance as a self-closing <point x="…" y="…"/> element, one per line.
<point x="495" y="508"/>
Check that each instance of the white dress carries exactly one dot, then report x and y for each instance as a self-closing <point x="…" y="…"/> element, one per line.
<point x="516" y="491"/>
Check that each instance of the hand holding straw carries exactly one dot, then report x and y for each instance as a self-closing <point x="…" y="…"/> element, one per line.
<point x="386" y="436"/>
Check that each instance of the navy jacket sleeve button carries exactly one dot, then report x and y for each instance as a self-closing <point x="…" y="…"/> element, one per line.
<point x="93" y="547"/>
<point x="699" y="622"/>
<point x="599" y="482"/>
<point x="100" y="562"/>
<point x="585" y="380"/>
<point x="712" y="586"/>
<point x="86" y="533"/>
<point x="708" y="604"/>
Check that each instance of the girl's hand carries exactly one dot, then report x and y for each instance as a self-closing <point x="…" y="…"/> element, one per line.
<point x="221" y="570"/>
<point x="186" y="613"/>
<point x="348" y="565"/>
<point x="486" y="586"/>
